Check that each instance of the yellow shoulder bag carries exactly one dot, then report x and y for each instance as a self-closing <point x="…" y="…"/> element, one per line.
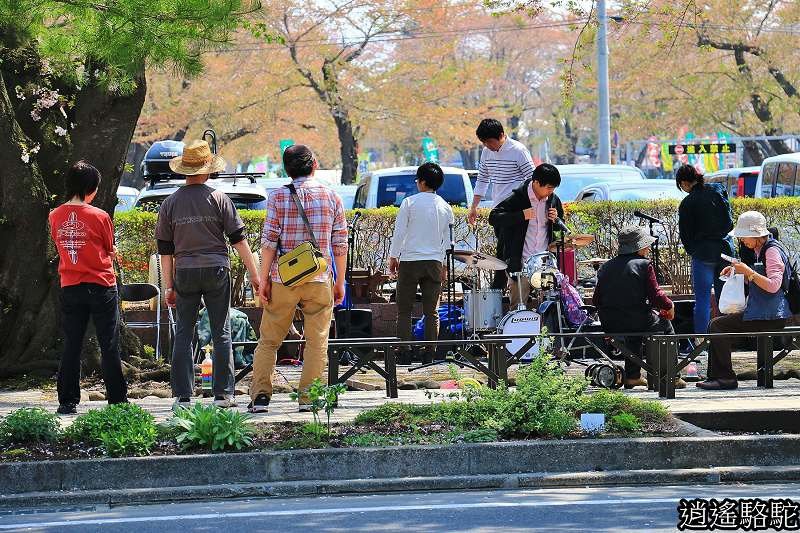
<point x="305" y="261"/>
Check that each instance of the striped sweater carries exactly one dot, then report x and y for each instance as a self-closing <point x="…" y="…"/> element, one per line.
<point x="505" y="170"/>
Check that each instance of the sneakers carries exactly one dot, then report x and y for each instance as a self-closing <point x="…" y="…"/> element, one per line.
<point x="181" y="403"/>
<point x="224" y="402"/>
<point x="260" y="404"/>
<point x="67" y="409"/>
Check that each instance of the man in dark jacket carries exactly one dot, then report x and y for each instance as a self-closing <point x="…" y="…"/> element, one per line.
<point x="523" y="223"/>
<point x="627" y="297"/>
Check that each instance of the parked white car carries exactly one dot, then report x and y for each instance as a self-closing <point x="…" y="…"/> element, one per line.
<point x="389" y="186"/>
<point x="576" y="177"/>
<point x="619" y="191"/>
<point x="244" y="193"/>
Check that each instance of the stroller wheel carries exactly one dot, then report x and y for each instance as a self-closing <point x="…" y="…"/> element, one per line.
<point x="605" y="376"/>
<point x="589" y="372"/>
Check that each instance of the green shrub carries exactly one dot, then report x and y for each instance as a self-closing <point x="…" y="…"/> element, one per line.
<point x="372" y="439"/>
<point x="543" y="403"/>
<point x="624" y="423"/>
<point x="29" y="426"/>
<point x="393" y="413"/>
<point x="321" y="397"/>
<point x="480" y="435"/>
<point x="212" y="428"/>
<point x="615" y="402"/>
<point x="120" y="429"/>
<point x="601" y="219"/>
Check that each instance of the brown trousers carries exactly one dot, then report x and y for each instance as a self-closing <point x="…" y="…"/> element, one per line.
<point x="316" y="301"/>
<point x="428" y="275"/>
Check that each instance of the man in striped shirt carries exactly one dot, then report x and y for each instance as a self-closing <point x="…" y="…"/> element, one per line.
<point x="505" y="165"/>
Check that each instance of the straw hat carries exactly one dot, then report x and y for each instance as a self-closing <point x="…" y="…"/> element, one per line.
<point x="750" y="224"/>
<point x="632" y="239"/>
<point x="197" y="159"/>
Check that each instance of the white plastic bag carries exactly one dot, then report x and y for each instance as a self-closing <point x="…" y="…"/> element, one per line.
<point x="732" y="299"/>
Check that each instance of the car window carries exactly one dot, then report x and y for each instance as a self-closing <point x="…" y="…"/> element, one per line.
<point x="770" y="172"/>
<point x="124" y="202"/>
<point x="394" y="188"/>
<point x="733" y="186"/>
<point x="246" y="201"/>
<point x="784" y="185"/>
<point x="644" y="194"/>
<point x="589" y="196"/>
<point x="361" y="196"/>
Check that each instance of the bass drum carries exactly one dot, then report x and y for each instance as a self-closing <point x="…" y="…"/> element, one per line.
<point x="521" y="322"/>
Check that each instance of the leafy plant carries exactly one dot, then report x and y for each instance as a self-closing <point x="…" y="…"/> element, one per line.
<point x="480" y="435"/>
<point x="625" y="423"/>
<point x="119" y="429"/>
<point x="393" y="413"/>
<point x="321" y="397"/>
<point x="149" y="351"/>
<point x="29" y="425"/>
<point x="212" y="428"/>
<point x="615" y="402"/>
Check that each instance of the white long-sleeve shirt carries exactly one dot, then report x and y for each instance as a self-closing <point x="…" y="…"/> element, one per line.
<point x="422" y="228"/>
<point x="505" y="169"/>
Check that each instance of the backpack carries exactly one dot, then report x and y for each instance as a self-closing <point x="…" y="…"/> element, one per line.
<point x="792" y="290"/>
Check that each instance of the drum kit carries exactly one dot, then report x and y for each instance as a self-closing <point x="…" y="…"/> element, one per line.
<point x="483" y="308"/>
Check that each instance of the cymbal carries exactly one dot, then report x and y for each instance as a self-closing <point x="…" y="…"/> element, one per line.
<point x="478" y="260"/>
<point x="593" y="261"/>
<point x="573" y="240"/>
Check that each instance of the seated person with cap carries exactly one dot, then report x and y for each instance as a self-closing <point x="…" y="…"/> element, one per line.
<point x="629" y="300"/>
<point x="523" y="223"/>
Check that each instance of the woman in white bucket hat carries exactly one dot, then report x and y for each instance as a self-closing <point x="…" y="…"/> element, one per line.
<point x="767" y="307"/>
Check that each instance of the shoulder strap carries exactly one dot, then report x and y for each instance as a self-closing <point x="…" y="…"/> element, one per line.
<point x="303" y="214"/>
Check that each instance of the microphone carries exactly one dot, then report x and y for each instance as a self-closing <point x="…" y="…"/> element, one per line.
<point x="356" y="216"/>
<point x="559" y="225"/>
<point x="648" y="218"/>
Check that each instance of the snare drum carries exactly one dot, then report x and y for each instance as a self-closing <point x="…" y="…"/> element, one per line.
<point x="540" y="262"/>
<point x="521" y="322"/>
<point x="484" y="307"/>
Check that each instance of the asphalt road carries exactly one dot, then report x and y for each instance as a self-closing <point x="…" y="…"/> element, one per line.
<point x="572" y="509"/>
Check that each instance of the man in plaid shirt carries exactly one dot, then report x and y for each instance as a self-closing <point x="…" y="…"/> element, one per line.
<point x="284" y="230"/>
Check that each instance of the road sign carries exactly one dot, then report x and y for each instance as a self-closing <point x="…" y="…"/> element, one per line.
<point x="429" y="150"/>
<point x="702" y="148"/>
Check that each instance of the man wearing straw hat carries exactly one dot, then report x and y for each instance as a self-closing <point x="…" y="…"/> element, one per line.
<point x="193" y="224"/>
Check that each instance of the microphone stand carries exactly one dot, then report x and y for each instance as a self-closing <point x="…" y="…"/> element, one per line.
<point x="656" y="255"/>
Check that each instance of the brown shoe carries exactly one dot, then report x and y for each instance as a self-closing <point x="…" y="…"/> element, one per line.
<point x="637" y="382"/>
<point x="679" y="383"/>
<point x="718" y="384"/>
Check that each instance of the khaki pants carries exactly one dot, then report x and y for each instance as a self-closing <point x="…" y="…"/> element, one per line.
<point x="514" y="292"/>
<point x="316" y="301"/>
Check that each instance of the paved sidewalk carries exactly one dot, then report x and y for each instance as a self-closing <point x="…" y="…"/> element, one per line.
<point x="785" y="395"/>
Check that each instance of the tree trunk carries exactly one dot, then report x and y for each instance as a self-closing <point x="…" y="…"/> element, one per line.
<point x="347" y="144"/>
<point x="513" y="125"/>
<point x="30" y="331"/>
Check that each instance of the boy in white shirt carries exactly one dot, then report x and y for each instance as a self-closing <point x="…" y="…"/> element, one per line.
<point x="417" y="253"/>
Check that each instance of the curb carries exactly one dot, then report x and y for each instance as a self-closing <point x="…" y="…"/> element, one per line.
<point x="541" y="480"/>
<point x="700" y="459"/>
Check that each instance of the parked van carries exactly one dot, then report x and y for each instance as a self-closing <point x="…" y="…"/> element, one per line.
<point x="388" y="187"/>
<point x="739" y="182"/>
<point x="779" y="176"/>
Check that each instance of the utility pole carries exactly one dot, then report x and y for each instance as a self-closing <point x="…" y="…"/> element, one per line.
<point x="603" y="116"/>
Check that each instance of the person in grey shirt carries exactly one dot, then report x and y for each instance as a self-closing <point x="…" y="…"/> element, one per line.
<point x="193" y="224"/>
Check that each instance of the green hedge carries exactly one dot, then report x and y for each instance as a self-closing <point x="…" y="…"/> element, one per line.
<point x="135" y="230"/>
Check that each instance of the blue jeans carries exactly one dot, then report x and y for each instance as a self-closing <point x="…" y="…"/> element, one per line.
<point x="705" y="274"/>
